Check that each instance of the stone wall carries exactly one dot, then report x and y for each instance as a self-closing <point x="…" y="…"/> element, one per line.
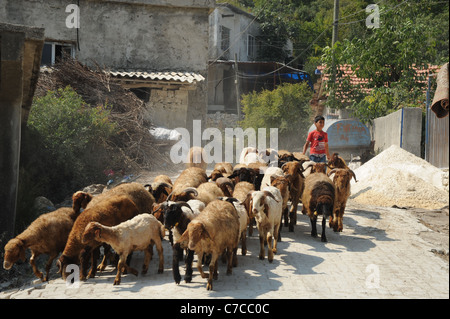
<point x="222" y="120"/>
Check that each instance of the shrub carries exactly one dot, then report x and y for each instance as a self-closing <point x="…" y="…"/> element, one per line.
<point x="286" y="108"/>
<point x="64" y="147"/>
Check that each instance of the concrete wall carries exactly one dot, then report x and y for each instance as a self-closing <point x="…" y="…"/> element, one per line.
<point x="241" y="25"/>
<point x="147" y="35"/>
<point x="133" y="34"/>
<point x="402" y="128"/>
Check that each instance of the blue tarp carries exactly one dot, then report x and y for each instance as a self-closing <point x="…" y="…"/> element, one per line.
<point x="300" y="76"/>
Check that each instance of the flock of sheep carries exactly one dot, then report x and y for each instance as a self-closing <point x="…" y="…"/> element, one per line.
<point x="204" y="215"/>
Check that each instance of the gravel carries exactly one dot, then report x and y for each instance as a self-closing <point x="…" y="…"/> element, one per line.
<point x="398" y="178"/>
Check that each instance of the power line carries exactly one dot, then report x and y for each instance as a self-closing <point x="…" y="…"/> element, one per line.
<point x="313" y="42"/>
<point x="240" y="34"/>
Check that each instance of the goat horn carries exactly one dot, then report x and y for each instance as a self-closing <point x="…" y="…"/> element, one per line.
<point x="58" y="264"/>
<point x="229" y="183"/>
<point x="331" y="172"/>
<point x="301" y="161"/>
<point x="181" y="203"/>
<point x="353" y="174"/>
<point x="162" y="184"/>
<point x="191" y="190"/>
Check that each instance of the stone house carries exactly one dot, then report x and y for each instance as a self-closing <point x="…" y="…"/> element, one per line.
<point x="235" y="37"/>
<point x="158" y="48"/>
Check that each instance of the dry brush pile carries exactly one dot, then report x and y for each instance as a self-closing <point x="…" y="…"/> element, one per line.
<point x="135" y="146"/>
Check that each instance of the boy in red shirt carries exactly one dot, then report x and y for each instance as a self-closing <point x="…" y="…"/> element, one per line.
<point x="318" y="140"/>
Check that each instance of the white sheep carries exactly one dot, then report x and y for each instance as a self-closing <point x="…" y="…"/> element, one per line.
<point x="245" y="151"/>
<point x="266" y="208"/>
<point x="139" y="233"/>
<point x="270" y="171"/>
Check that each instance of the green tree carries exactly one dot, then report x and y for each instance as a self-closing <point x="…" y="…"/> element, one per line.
<point x="286" y="108"/>
<point x="387" y="59"/>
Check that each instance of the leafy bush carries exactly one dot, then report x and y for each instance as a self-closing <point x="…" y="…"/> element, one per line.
<point x="64" y="147"/>
<point x="286" y="108"/>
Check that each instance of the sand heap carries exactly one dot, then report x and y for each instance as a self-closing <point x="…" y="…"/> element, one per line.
<point x="397" y="177"/>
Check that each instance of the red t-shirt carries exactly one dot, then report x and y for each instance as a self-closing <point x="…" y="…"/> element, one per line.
<point x="317" y="140"/>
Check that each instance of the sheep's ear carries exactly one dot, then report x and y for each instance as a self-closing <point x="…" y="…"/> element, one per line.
<point x="22" y="253"/>
<point x="266" y="210"/>
<point x="205" y="233"/>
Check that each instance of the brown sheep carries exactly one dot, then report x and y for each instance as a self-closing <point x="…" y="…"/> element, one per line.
<point x="319" y="198"/>
<point x="336" y="161"/>
<point x="160" y="188"/>
<point x="197" y="158"/>
<point x="341" y="180"/>
<point x="140" y="196"/>
<point x="241" y="190"/>
<point x="293" y="172"/>
<point x="285" y="155"/>
<point x="46" y="235"/>
<point x="300" y="156"/>
<point x="226" y="185"/>
<point x="190" y="177"/>
<point x="135" y="191"/>
<point x="80" y="200"/>
<point x="186" y="195"/>
<point x="209" y="191"/>
<point x="215" y="230"/>
<point x="110" y="211"/>
<point x="223" y="169"/>
<point x="163" y="179"/>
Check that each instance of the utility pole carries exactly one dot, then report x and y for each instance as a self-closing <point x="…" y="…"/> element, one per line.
<point x="236" y="81"/>
<point x="335" y="34"/>
<point x="333" y="41"/>
<point x="335" y="21"/>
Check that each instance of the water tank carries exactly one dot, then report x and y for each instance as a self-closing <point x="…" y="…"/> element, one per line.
<point x="346" y="136"/>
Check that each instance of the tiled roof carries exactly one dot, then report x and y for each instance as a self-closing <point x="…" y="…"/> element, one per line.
<point x="421" y="75"/>
<point x="183" y="77"/>
<point x="354" y="80"/>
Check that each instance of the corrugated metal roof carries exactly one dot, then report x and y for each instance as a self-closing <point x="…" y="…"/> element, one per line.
<point x="183" y="77"/>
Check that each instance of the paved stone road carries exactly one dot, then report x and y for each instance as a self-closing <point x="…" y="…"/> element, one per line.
<point x="378" y="255"/>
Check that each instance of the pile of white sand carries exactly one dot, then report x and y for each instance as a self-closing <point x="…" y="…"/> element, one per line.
<point x="397" y="177"/>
